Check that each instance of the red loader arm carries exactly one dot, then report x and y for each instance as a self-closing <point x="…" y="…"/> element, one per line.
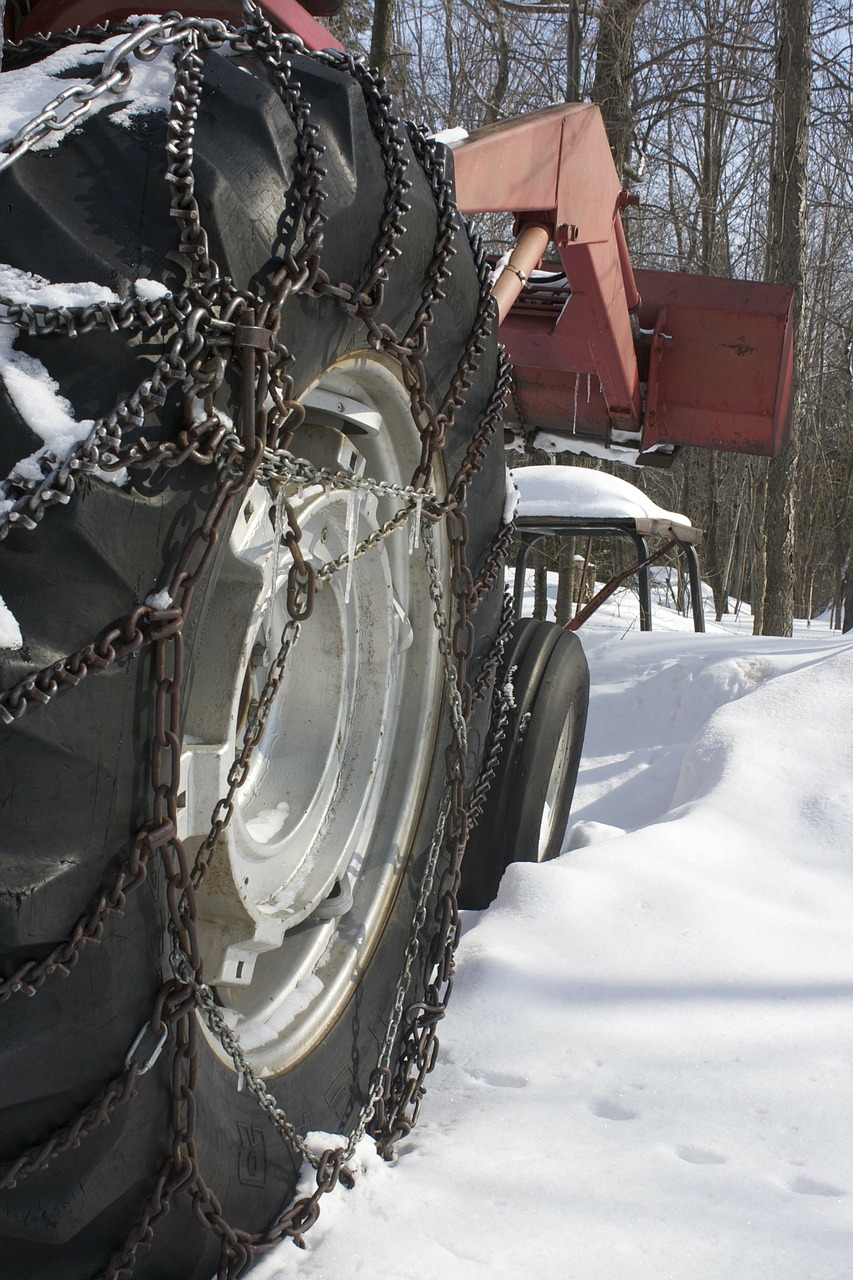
<point x="647" y="360"/>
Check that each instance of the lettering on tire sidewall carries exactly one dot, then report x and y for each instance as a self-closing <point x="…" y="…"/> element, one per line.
<point x="252" y="1156"/>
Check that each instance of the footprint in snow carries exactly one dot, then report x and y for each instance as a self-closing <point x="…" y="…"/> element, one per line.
<point x="811" y="1187"/>
<point x="607" y="1109"/>
<point x="494" y="1079"/>
<point x="698" y="1155"/>
<point x="500" y="1080"/>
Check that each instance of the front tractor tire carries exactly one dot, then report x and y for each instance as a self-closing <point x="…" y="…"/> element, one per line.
<point x="526" y="810"/>
<point x="131" y="1137"/>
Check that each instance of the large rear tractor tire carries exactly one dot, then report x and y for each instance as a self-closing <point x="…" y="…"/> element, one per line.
<point x="130" y="1129"/>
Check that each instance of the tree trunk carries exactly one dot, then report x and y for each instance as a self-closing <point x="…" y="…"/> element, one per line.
<point x="611" y="88"/>
<point x="758" y="577"/>
<point x="573" y="54"/>
<point x="565" y="580"/>
<point x="501" y="84"/>
<point x="380" y="36"/>
<point x="713" y="555"/>
<point x="710" y="186"/>
<point x="452" y="110"/>
<point x="739" y="571"/>
<point x="540" y="591"/>
<point x="786" y="253"/>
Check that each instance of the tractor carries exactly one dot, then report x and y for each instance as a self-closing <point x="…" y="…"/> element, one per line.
<point x="260" y="678"/>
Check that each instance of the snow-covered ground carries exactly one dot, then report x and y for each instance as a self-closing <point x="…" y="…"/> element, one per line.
<point x="645" y="1067"/>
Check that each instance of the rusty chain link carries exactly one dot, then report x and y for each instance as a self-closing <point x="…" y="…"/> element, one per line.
<point x="208" y="326"/>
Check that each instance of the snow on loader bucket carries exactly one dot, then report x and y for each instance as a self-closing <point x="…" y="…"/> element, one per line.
<point x="254" y="638"/>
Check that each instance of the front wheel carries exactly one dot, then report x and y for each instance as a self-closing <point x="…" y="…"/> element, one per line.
<point x="526" y="811"/>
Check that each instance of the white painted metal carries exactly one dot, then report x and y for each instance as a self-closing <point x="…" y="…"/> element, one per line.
<point x="307" y="871"/>
<point x="550" y="811"/>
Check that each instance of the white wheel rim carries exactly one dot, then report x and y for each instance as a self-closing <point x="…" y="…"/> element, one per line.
<point x="551" y="808"/>
<point x="307" y="872"/>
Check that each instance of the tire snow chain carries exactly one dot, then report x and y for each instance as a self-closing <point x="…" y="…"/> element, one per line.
<point x="213" y="324"/>
<point x="502" y="703"/>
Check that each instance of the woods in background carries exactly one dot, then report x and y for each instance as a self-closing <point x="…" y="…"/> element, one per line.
<point x="732" y="119"/>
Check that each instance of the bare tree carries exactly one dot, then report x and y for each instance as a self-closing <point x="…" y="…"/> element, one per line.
<point x="574" y="53"/>
<point x="786" y="261"/>
<point x="613" y="83"/>
<point x="380" y="36"/>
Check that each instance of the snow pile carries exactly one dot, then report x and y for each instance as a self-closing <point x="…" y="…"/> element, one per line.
<point x="10" y="631"/>
<point x="150" y="290"/>
<point x="451" y="137"/>
<point x="588" y="494"/>
<point x="645" y="1066"/>
<point x="27" y="287"/>
<point x="26" y="92"/>
<point x="37" y="398"/>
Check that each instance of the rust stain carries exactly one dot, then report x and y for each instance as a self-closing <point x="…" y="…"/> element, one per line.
<point x="740" y="348"/>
